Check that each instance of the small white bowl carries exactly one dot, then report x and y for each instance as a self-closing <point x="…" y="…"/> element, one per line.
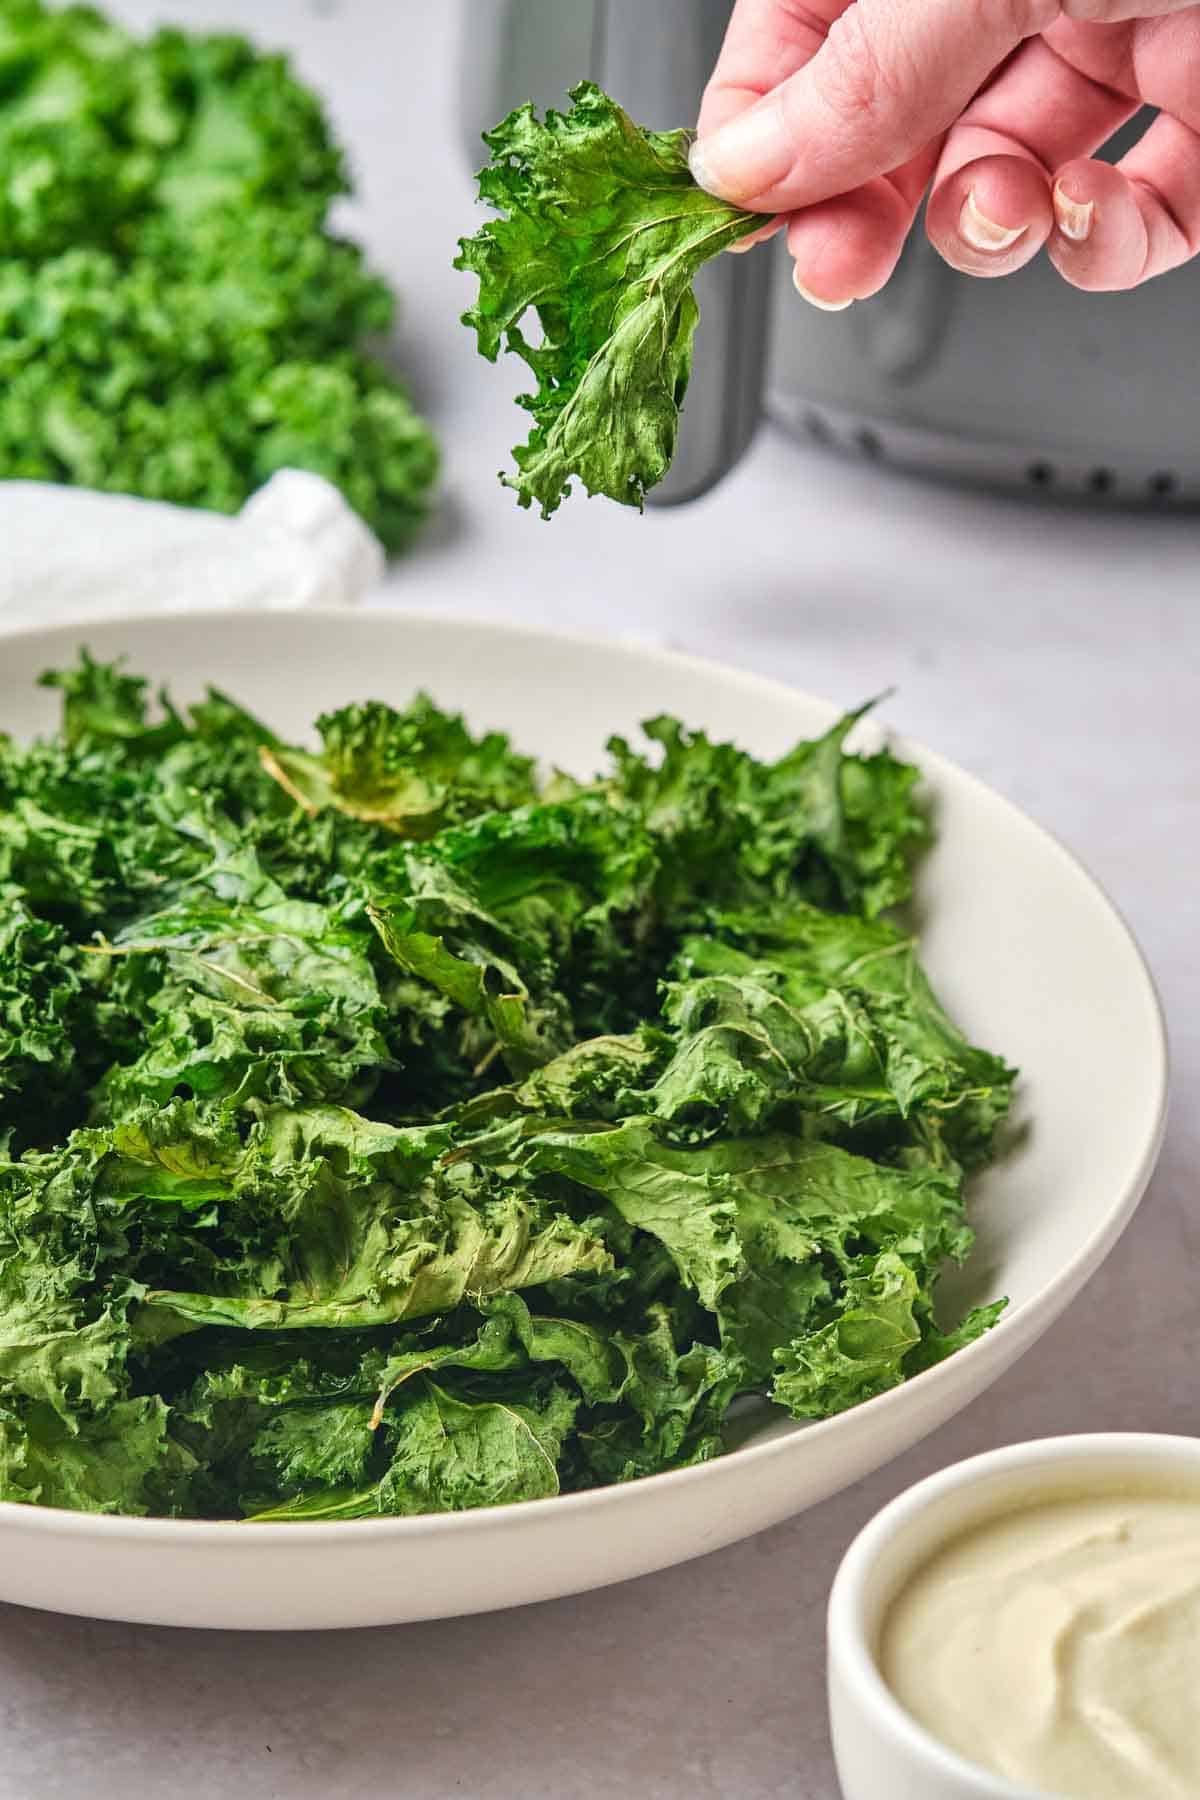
<point x="882" y="1753"/>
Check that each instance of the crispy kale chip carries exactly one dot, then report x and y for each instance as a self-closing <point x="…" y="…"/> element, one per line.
<point x="601" y="234"/>
<point x="384" y="1129"/>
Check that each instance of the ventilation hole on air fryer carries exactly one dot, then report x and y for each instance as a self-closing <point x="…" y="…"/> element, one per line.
<point x="1162" y="485"/>
<point x="868" y="442"/>
<point x="1040" y="475"/>
<point x="1100" y="481"/>
<point x="816" y="427"/>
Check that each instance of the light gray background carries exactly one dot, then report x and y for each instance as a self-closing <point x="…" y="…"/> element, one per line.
<point x="1053" y="654"/>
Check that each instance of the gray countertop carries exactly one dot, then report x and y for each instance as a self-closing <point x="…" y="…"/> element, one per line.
<point x="1053" y="654"/>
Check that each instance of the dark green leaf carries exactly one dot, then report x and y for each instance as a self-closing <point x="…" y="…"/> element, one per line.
<point x="602" y="234"/>
<point x="111" y="1463"/>
<point x="412" y="771"/>
<point x="861" y="1352"/>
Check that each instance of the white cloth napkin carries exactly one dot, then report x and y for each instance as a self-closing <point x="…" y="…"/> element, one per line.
<point x="72" y="553"/>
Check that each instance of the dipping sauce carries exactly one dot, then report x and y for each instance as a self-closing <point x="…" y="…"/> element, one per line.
<point x="1059" y="1645"/>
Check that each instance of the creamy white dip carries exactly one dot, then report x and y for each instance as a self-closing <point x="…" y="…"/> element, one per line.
<point x="1059" y="1645"/>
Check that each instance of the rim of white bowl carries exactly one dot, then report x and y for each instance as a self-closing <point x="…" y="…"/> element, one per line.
<point x="848" y="1642"/>
<point x="933" y="765"/>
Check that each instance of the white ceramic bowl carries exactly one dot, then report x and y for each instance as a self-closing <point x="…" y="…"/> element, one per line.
<point x="882" y="1753"/>
<point x="1024" y="948"/>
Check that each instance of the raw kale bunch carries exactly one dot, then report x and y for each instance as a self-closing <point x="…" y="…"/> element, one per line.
<point x="601" y="236"/>
<point x="176" y="320"/>
<point x="385" y="1129"/>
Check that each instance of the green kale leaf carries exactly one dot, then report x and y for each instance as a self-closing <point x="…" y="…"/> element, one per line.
<point x="601" y="236"/>
<point x="413" y="771"/>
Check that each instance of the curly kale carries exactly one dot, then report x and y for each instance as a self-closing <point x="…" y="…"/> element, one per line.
<point x="384" y="1129"/>
<point x="601" y="234"/>
<point x="176" y="320"/>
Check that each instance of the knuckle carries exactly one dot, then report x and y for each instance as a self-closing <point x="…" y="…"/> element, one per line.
<point x="1164" y="62"/>
<point x="1098" y="12"/>
<point x="867" y="69"/>
<point x="1021" y="19"/>
<point x="798" y="19"/>
<point x="884" y="61"/>
<point x="1176" y="231"/>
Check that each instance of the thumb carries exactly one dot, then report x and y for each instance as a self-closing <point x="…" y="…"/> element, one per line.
<point x="890" y="76"/>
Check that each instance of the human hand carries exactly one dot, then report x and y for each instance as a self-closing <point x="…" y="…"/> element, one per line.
<point x="836" y="117"/>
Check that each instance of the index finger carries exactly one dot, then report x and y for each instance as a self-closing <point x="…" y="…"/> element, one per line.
<point x="767" y="40"/>
<point x="888" y="76"/>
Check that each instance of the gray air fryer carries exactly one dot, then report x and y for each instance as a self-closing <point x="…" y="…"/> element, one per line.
<point x="1022" y="383"/>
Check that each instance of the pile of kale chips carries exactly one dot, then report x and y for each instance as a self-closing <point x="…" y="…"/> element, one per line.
<point x="177" y="319"/>
<point x="384" y="1128"/>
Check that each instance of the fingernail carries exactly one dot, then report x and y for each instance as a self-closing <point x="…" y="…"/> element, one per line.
<point x="743" y="158"/>
<point x="741" y="246"/>
<point x="982" y="233"/>
<point x="698" y="164"/>
<point x="1073" y="217"/>
<point x="815" y="299"/>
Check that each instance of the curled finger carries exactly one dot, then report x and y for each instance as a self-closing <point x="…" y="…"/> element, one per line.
<point x="846" y="248"/>
<point x="992" y="214"/>
<point x="1117" y="227"/>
